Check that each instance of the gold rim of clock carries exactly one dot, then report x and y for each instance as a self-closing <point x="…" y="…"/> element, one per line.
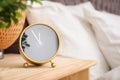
<point x="29" y="59"/>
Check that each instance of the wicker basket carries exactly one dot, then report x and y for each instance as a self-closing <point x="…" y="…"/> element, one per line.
<point x="9" y="36"/>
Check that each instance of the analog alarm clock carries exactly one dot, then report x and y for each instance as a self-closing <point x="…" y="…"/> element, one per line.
<point x="39" y="44"/>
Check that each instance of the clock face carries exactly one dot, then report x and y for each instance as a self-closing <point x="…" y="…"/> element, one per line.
<point x="39" y="43"/>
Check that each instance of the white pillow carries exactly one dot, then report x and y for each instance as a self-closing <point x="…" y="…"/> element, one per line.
<point x="107" y="31"/>
<point x="77" y="10"/>
<point x="111" y="75"/>
<point x="76" y="41"/>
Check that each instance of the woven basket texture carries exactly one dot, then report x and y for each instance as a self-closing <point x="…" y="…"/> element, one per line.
<point x="10" y="35"/>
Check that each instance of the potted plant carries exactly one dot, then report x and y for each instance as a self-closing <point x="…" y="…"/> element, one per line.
<point x="12" y="17"/>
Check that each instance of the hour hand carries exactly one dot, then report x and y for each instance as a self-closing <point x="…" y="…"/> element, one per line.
<point x="37" y="38"/>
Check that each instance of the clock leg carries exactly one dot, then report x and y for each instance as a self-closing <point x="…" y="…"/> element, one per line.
<point x="26" y="65"/>
<point x="53" y="65"/>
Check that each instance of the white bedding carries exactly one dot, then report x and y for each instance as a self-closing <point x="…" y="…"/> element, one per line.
<point x="107" y="31"/>
<point x="114" y="74"/>
<point x="76" y="35"/>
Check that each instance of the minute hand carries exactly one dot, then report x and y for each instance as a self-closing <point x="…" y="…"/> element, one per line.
<point x="37" y="38"/>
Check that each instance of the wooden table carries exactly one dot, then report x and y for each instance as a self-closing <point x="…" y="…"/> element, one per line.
<point x="11" y="68"/>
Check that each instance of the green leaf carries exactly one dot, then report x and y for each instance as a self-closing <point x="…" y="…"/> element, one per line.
<point x="8" y="25"/>
<point x="9" y="11"/>
<point x="1" y="8"/>
<point x="18" y="15"/>
<point x="37" y="1"/>
<point x="15" y="20"/>
<point x="2" y="25"/>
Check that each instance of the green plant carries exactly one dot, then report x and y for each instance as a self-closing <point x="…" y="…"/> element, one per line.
<point x="9" y="11"/>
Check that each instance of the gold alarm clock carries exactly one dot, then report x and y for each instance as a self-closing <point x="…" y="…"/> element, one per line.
<point x="39" y="44"/>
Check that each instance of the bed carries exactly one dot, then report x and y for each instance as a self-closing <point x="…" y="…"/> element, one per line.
<point x="107" y="38"/>
<point x="112" y="6"/>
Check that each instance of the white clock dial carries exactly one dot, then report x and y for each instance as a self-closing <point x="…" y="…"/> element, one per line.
<point x="40" y="42"/>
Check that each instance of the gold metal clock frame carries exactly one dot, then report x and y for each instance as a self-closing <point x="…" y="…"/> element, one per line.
<point x="26" y="64"/>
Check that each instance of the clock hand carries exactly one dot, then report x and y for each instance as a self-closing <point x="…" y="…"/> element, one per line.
<point x="37" y="38"/>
